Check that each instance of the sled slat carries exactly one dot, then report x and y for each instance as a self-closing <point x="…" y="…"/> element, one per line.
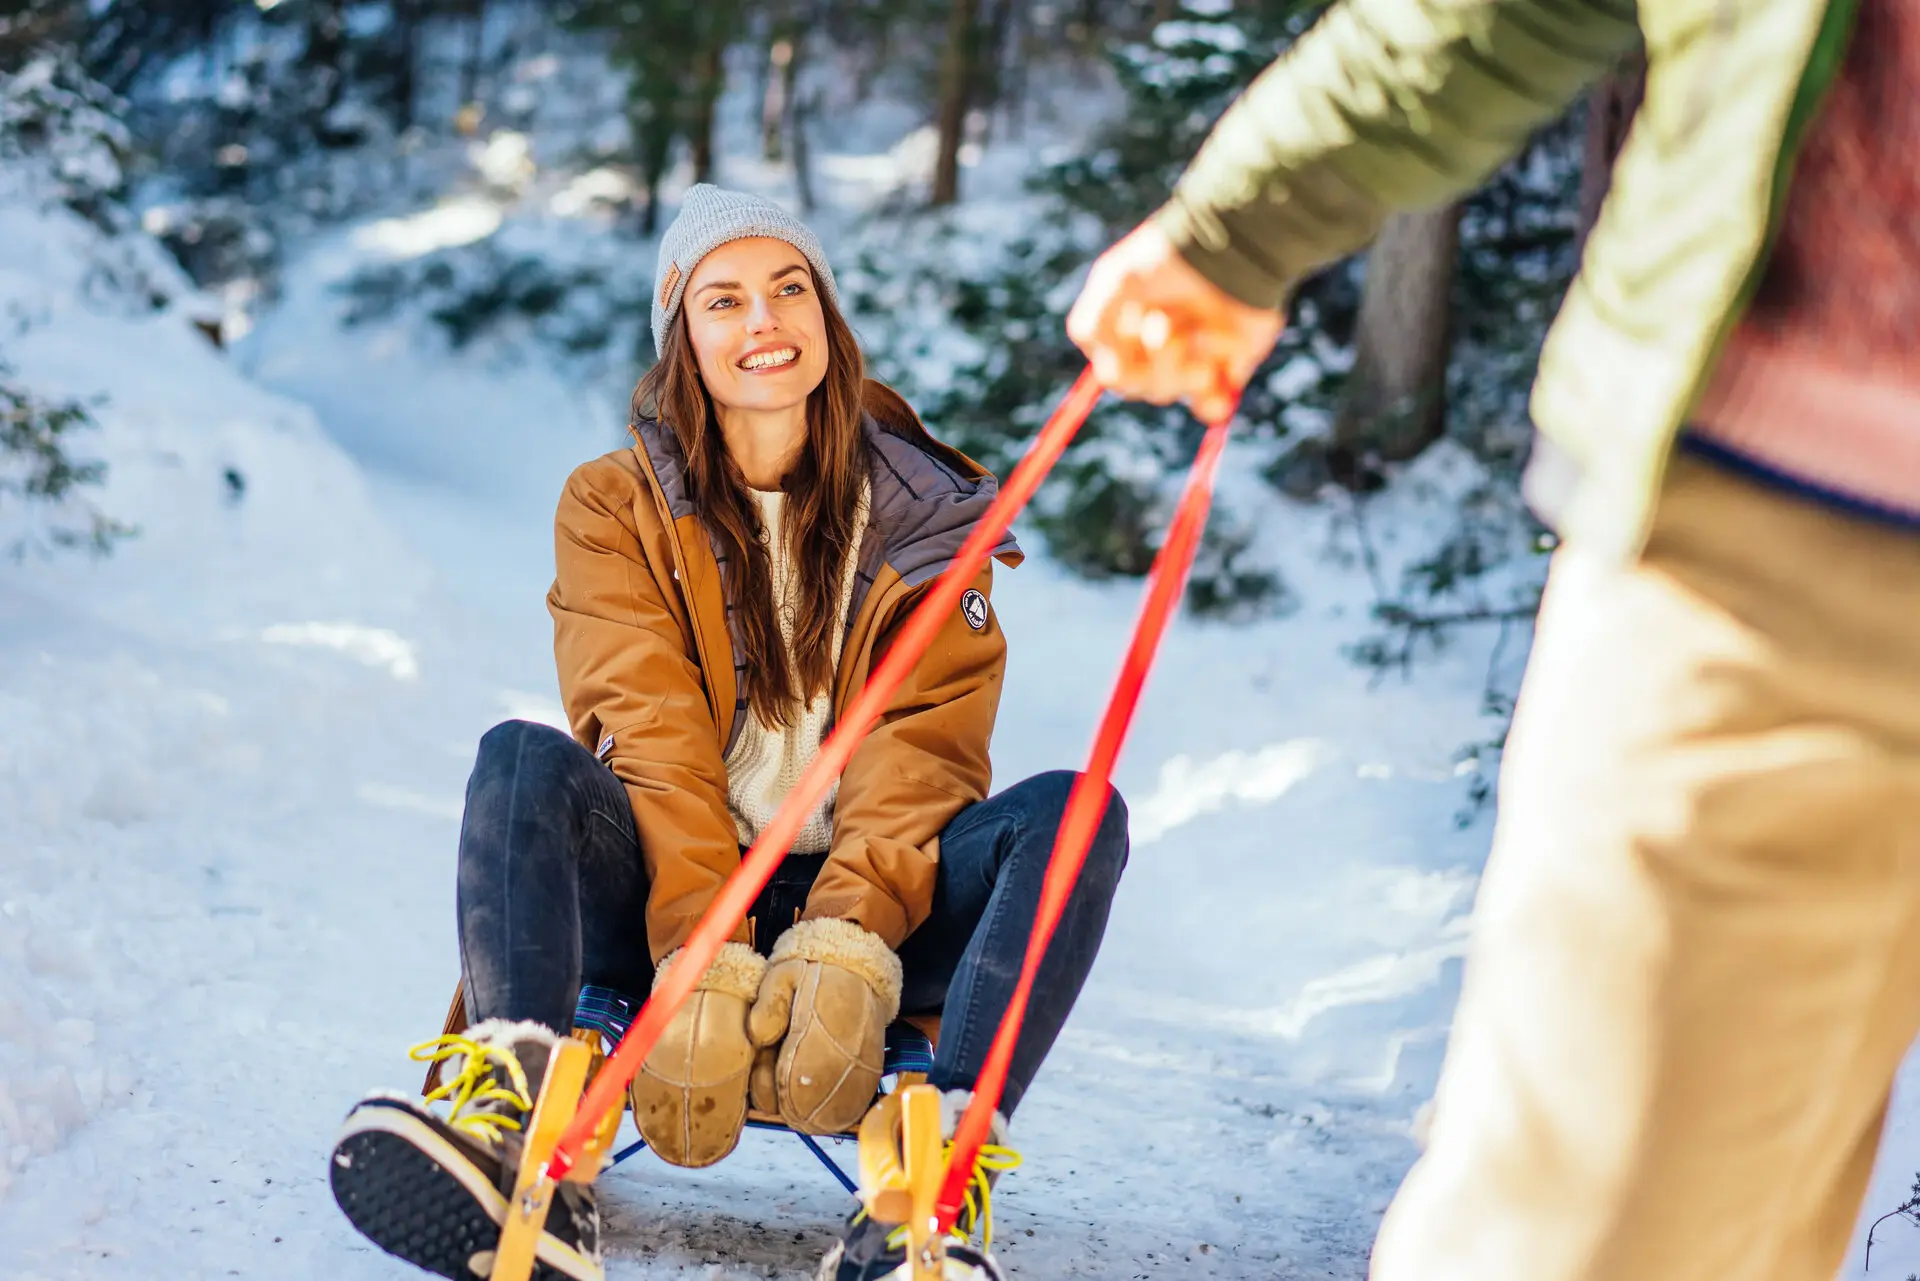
<point x="901" y="1169"/>
<point x="883" y="1176"/>
<point x="921" y="1142"/>
<point x="533" y="1192"/>
<point x="599" y="1150"/>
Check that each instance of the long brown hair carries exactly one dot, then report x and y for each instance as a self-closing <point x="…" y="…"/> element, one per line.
<point x="822" y="500"/>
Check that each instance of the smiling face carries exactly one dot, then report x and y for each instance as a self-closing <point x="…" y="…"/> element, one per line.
<point x="758" y="333"/>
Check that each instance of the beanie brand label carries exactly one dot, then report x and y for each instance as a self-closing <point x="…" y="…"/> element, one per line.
<point x="668" y="281"/>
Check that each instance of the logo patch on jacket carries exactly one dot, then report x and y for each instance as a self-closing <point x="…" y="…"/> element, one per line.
<point x="973" y="607"/>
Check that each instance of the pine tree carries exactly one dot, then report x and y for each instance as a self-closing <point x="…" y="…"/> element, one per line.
<point x="37" y="466"/>
<point x="1394" y="404"/>
<point x="62" y="142"/>
<point x="125" y="40"/>
<point x="959" y="81"/>
<point x="674" y="55"/>
<point x="1103" y="511"/>
<point x="30" y="26"/>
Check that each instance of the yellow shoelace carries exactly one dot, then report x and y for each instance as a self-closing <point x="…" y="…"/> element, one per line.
<point x="476" y="1082"/>
<point x="978" y="1211"/>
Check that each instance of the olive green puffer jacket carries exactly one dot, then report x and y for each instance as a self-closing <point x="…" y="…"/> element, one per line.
<point x="1390" y="105"/>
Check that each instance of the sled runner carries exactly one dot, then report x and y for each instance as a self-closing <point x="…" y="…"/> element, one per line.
<point x="900" y="1141"/>
<point x="901" y="1160"/>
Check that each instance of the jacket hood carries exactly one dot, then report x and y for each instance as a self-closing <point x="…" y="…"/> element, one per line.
<point x="925" y="499"/>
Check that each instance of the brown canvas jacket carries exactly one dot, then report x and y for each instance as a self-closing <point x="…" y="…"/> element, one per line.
<point x="648" y="667"/>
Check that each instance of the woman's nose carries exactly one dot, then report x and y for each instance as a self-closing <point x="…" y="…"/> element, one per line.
<point x="759" y="316"/>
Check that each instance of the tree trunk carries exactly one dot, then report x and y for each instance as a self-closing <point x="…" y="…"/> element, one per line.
<point x="1610" y="111"/>
<point x="799" y="103"/>
<point x="710" y="75"/>
<point x="956" y="87"/>
<point x="991" y="61"/>
<point x="25" y="27"/>
<point x="802" y="153"/>
<point x="210" y="42"/>
<point x="653" y="138"/>
<point x="653" y="166"/>
<point x="326" y="51"/>
<point x="783" y="64"/>
<point x="1394" y="404"/>
<point x="406" y="62"/>
<point x="476" y="54"/>
<point x="1021" y="46"/>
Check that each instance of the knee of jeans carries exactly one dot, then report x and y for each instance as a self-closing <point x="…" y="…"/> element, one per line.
<point x="1107" y="856"/>
<point x="1049" y="791"/>
<point x="516" y="745"/>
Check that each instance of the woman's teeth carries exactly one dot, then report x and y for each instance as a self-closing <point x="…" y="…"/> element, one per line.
<point x="770" y="359"/>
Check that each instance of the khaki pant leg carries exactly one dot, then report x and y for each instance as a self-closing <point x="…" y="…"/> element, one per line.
<point x="1693" y="972"/>
<point x="1814" y="1240"/>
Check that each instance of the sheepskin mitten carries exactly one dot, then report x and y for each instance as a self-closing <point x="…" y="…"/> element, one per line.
<point x="690" y="1097"/>
<point x="828" y="996"/>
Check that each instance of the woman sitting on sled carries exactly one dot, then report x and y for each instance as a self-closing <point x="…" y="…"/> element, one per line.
<point x="722" y="590"/>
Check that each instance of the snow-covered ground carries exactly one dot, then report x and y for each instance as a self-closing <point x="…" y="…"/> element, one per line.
<point x="230" y="782"/>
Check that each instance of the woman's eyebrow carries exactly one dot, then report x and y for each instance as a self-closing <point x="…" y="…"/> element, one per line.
<point x="734" y="284"/>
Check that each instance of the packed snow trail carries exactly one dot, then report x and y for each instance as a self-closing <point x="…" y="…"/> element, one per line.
<point x="232" y="783"/>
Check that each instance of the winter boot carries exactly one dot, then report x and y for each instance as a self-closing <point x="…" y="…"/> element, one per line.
<point x="872" y="1251"/>
<point x="433" y="1190"/>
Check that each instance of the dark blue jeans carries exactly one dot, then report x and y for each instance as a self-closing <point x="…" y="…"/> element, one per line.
<point x="553" y="893"/>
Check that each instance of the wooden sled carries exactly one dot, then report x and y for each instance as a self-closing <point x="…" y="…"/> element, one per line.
<point x="901" y="1165"/>
<point x="901" y="1145"/>
<point x="601" y="1018"/>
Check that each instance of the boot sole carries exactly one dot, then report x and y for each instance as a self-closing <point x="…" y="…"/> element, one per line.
<point x="964" y="1264"/>
<point x="410" y="1192"/>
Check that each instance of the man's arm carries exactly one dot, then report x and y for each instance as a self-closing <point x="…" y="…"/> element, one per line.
<point x="1385" y="105"/>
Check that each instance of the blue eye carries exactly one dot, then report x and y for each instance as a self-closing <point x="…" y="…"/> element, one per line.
<point x="794" y="287"/>
<point x="719" y="302"/>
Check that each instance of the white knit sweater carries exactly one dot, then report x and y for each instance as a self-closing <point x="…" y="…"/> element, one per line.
<point x="765" y="763"/>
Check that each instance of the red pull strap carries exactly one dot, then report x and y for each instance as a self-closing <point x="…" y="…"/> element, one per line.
<point x="1086" y="803"/>
<point x="730" y="906"/>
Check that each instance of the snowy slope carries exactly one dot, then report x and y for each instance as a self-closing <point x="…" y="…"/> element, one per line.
<point x="234" y="764"/>
<point x="231" y="777"/>
<point x="190" y="724"/>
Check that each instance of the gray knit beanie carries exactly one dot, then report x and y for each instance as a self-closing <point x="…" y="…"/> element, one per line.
<point x="712" y="216"/>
